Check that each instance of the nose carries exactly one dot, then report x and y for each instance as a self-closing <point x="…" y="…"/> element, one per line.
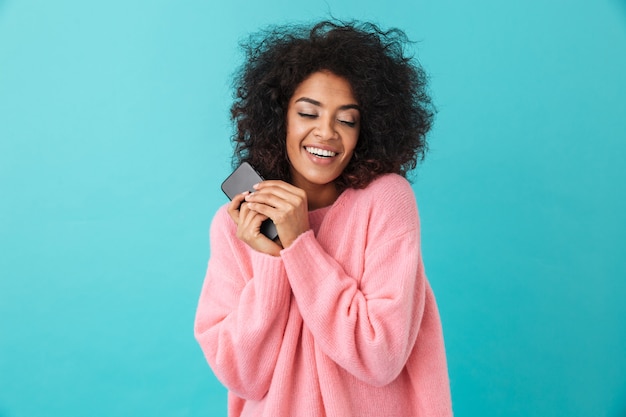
<point x="326" y="128"/>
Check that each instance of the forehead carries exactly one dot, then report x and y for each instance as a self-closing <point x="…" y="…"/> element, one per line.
<point x="324" y="86"/>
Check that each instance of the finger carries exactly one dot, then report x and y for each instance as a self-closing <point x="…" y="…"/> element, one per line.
<point x="277" y="184"/>
<point x="278" y="209"/>
<point x="277" y="196"/>
<point x="235" y="204"/>
<point x="290" y="220"/>
<point x="250" y="226"/>
<point x="250" y="215"/>
<point x="265" y="210"/>
<point x="245" y="214"/>
<point x="238" y="199"/>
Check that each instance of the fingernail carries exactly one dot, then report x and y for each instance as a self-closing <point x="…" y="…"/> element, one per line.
<point x="255" y="186"/>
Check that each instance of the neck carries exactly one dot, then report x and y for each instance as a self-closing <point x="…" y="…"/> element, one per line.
<point x="319" y="196"/>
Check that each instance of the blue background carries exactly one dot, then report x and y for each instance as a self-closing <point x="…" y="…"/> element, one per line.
<point x="114" y="138"/>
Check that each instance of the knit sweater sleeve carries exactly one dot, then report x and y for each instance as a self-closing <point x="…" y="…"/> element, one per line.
<point x="242" y="312"/>
<point x="368" y="323"/>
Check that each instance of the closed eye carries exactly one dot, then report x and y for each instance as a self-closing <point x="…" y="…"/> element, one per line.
<point x="308" y="115"/>
<point x="347" y="123"/>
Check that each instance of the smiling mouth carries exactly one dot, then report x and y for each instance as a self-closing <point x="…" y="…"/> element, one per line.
<point x="322" y="153"/>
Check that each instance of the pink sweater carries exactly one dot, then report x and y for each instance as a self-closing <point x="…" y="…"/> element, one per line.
<point x="342" y="324"/>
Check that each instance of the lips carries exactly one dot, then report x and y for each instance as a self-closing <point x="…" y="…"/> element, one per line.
<point x="319" y="152"/>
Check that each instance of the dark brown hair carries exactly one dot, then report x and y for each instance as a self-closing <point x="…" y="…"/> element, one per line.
<point x="390" y="87"/>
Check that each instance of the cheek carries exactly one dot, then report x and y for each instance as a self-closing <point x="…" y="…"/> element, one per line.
<point x="295" y="134"/>
<point x="353" y="140"/>
<point x="292" y="141"/>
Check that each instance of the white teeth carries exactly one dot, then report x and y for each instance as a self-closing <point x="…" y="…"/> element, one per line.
<point x="320" y="152"/>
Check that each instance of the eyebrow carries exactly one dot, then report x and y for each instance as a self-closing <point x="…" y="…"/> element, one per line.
<point x="318" y="104"/>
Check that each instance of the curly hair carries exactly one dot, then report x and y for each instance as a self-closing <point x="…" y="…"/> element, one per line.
<point x="390" y="87"/>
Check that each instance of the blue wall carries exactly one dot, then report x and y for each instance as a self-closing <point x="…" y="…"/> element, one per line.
<point x="114" y="139"/>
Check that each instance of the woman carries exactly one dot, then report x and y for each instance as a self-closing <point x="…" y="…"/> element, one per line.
<point x="335" y="317"/>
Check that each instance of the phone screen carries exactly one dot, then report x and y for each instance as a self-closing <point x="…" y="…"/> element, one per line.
<point x="243" y="179"/>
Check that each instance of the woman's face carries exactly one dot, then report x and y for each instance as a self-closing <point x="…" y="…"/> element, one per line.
<point x="323" y="122"/>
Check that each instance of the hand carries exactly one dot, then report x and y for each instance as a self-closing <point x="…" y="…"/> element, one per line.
<point x="249" y="226"/>
<point x="285" y="204"/>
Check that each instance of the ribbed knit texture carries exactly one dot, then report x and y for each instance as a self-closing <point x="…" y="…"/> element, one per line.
<point x="342" y="324"/>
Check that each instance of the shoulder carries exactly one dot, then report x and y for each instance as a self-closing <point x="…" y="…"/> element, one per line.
<point x="388" y="201"/>
<point x="222" y="225"/>
<point x="390" y="185"/>
<point x="384" y="189"/>
<point x="221" y="215"/>
<point x="223" y="238"/>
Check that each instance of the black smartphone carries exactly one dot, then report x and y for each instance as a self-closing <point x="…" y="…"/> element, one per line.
<point x="243" y="179"/>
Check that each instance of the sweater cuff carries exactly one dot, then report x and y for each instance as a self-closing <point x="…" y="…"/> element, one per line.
<point x="270" y="280"/>
<point x="303" y="240"/>
<point x="305" y="254"/>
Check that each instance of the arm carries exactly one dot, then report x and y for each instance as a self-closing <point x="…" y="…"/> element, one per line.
<point x="367" y="324"/>
<point x="242" y="312"/>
